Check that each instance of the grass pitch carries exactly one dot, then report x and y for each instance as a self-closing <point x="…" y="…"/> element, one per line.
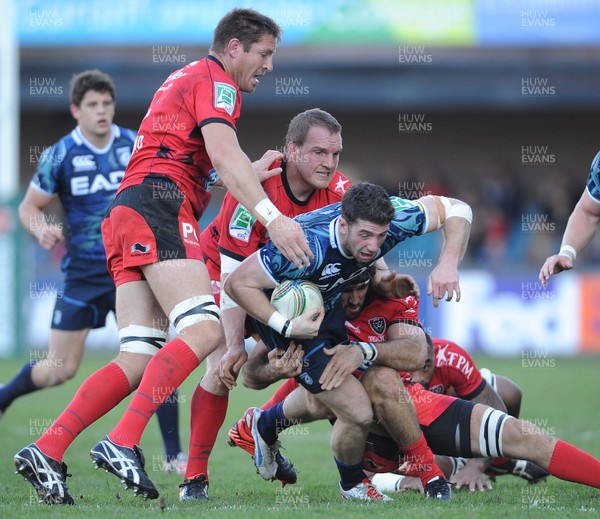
<point x="560" y="397"/>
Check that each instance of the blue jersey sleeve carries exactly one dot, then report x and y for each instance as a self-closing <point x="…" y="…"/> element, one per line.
<point x="279" y="268"/>
<point x="410" y="219"/>
<point x="47" y="175"/>
<point x="593" y="181"/>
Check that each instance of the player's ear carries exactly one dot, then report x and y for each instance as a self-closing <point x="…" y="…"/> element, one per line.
<point x="343" y="226"/>
<point x="291" y="151"/>
<point x="234" y="47"/>
<point x="74" y="110"/>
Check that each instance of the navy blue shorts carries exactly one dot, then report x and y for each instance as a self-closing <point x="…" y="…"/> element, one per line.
<point x="87" y="297"/>
<point x="332" y="332"/>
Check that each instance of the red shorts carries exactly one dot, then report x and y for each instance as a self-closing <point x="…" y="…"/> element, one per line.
<point x="149" y="223"/>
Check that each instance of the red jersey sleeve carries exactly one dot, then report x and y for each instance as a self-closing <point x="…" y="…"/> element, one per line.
<point x="404" y="310"/>
<point x="455" y="368"/>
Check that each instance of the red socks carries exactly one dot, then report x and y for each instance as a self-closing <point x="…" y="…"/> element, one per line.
<point x="419" y="461"/>
<point x="284" y="390"/>
<point x="207" y="416"/>
<point x="572" y="464"/>
<point x="164" y="373"/>
<point x="101" y="392"/>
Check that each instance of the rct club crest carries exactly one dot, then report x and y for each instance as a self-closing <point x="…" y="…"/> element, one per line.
<point x="377" y="324"/>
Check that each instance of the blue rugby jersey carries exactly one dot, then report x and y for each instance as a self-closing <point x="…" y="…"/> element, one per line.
<point x="85" y="179"/>
<point x="332" y="268"/>
<point x="593" y="181"/>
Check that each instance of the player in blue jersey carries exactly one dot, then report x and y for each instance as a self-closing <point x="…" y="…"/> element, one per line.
<point x="345" y="239"/>
<point x="581" y="226"/>
<point x="84" y="170"/>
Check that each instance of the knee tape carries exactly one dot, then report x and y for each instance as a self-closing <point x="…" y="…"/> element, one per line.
<point x="141" y="339"/>
<point x="490" y="433"/>
<point x="194" y="310"/>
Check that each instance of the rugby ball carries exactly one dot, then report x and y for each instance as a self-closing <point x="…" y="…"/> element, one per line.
<point x="292" y="298"/>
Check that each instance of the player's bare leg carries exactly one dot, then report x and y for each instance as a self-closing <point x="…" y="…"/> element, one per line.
<point x="65" y="351"/>
<point x="523" y="440"/>
<point x="183" y="291"/>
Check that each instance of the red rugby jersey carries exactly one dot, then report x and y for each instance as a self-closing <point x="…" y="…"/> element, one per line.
<point x="169" y="140"/>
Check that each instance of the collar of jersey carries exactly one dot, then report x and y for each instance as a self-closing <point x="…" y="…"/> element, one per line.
<point x="79" y="138"/>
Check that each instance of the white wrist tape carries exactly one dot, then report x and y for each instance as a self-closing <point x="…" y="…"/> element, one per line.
<point x="369" y="351"/>
<point x="568" y="251"/>
<point x="460" y="210"/>
<point x="280" y="324"/>
<point x="267" y="210"/>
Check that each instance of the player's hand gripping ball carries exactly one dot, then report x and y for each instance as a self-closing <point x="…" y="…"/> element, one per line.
<point x="292" y="298"/>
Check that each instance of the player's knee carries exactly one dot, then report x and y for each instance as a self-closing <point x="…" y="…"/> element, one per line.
<point x="382" y="385"/>
<point x="364" y="417"/>
<point x="361" y="415"/>
<point x="194" y="310"/>
<point x="197" y="321"/>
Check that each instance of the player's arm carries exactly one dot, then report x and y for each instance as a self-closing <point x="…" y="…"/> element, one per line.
<point x="235" y="170"/>
<point x="244" y="285"/>
<point x="33" y="219"/>
<point x="266" y="367"/>
<point x="580" y="230"/>
<point x="454" y="217"/>
<point x="404" y="350"/>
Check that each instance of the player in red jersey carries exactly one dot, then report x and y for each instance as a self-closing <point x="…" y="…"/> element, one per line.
<point x="309" y="179"/>
<point x="480" y="429"/>
<point x="452" y="371"/>
<point x="151" y="236"/>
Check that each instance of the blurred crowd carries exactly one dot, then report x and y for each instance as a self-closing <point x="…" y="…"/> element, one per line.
<point x="519" y="215"/>
<point x="518" y="220"/>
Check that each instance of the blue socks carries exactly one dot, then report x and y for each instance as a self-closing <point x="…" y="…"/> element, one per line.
<point x="18" y="386"/>
<point x="272" y="422"/>
<point x="350" y="475"/>
<point x="168" y="420"/>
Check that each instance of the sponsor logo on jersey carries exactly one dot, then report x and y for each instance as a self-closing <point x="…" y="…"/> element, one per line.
<point x="352" y="327"/>
<point x="138" y="249"/>
<point x="377" y="324"/>
<point x="189" y="234"/>
<point x="444" y="357"/>
<point x="400" y="204"/>
<point x="83" y="163"/>
<point x="340" y="186"/>
<point x="241" y="224"/>
<point x="307" y="378"/>
<point x="225" y="97"/>
<point x="123" y="155"/>
<point x="85" y="185"/>
<point x="332" y="269"/>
